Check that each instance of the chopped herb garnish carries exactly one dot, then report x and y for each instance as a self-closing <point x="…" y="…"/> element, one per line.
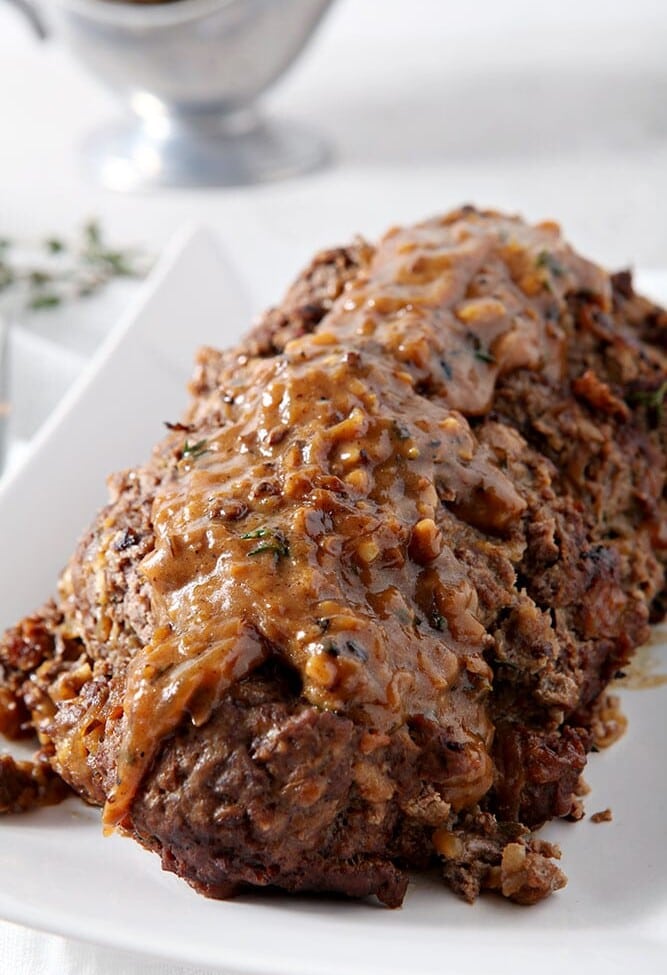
<point x="127" y="539"/>
<point x="545" y="259"/>
<point x="437" y="620"/>
<point x="401" y="431"/>
<point x="277" y="546"/>
<point x="279" y="549"/>
<point x="484" y="356"/>
<point x="195" y="450"/>
<point x="480" y="351"/>
<point x="446" y="368"/>
<point x="353" y="650"/>
<point x="273" y="541"/>
<point x="651" y="399"/>
<point x="357" y="651"/>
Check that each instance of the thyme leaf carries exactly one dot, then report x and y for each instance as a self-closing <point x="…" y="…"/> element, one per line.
<point x="277" y="546"/>
<point x="350" y="649"/>
<point x="274" y="547"/>
<point x="447" y="369"/>
<point x="651" y="399"/>
<point x="44" y="300"/>
<point x="437" y="620"/>
<point x="195" y="450"/>
<point x="485" y="356"/>
<point x="356" y="650"/>
<point x="481" y="352"/>
<point x="55" y="245"/>
<point x="545" y="259"/>
<point x="272" y="540"/>
<point x="400" y="430"/>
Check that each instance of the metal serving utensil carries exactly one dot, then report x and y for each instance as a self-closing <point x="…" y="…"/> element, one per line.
<point x="189" y="72"/>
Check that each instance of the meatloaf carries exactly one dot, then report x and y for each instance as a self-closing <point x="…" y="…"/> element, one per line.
<point x="359" y="611"/>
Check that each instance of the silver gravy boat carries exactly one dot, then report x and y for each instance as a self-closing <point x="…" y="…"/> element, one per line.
<point x="189" y="72"/>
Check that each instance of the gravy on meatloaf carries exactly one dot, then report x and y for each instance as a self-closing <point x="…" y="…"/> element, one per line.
<point x="341" y="467"/>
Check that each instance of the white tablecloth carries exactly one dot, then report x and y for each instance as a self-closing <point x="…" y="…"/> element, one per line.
<point x="549" y="109"/>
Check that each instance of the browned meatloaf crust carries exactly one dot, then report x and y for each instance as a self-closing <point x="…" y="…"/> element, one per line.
<point x="358" y="612"/>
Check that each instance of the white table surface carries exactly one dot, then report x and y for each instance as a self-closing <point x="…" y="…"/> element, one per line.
<point x="548" y="109"/>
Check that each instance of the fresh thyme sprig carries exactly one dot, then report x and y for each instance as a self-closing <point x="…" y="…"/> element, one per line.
<point x="56" y="271"/>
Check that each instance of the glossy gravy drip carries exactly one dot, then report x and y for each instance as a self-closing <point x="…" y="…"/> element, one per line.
<point x="316" y="520"/>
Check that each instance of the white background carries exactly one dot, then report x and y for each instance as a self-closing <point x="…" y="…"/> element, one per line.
<point x="551" y="109"/>
<point x="548" y="108"/>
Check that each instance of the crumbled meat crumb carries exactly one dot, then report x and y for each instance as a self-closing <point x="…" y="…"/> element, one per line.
<point x="26" y="785"/>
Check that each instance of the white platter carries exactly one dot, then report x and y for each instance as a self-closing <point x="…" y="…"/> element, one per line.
<point x="60" y="875"/>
